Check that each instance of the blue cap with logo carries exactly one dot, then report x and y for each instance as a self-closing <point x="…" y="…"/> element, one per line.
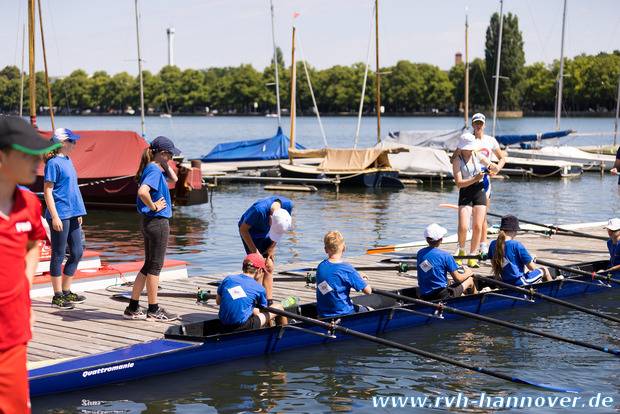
<point x="479" y="117"/>
<point x="63" y="134"/>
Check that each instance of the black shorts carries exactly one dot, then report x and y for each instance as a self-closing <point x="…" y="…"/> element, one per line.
<point x="252" y="323"/>
<point x="474" y="195"/>
<point x="452" y="291"/>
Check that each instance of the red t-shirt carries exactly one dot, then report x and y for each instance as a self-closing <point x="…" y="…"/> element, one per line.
<point x="23" y="224"/>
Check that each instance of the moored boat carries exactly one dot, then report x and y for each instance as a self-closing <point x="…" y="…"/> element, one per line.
<point x="200" y="343"/>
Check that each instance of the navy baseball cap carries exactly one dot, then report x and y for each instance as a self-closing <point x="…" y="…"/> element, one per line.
<point x="20" y="135"/>
<point x="164" y="144"/>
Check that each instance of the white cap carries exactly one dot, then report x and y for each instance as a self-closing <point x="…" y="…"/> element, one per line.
<point x="478" y="117"/>
<point x="467" y="142"/>
<point x="63" y="134"/>
<point x="613" y="224"/>
<point x="280" y="223"/>
<point x="435" y="232"/>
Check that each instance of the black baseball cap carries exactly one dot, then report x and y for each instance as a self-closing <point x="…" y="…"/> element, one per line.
<point x="19" y="135"/>
<point x="164" y="144"/>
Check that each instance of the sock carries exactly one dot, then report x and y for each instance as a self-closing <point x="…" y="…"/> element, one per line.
<point x="153" y="308"/>
<point x="59" y="293"/>
<point x="133" y="305"/>
<point x="66" y="292"/>
<point x="462" y="251"/>
<point x="482" y="247"/>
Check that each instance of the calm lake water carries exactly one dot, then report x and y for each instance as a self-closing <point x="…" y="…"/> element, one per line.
<point x="346" y="376"/>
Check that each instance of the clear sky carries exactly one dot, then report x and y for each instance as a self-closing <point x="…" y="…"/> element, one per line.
<point x="101" y="35"/>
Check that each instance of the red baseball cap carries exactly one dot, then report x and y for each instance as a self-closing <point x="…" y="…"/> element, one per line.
<point x="256" y="260"/>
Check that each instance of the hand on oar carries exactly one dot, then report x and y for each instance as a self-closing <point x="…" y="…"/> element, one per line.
<point x="533" y="294"/>
<point x="454" y="311"/>
<point x="334" y="327"/>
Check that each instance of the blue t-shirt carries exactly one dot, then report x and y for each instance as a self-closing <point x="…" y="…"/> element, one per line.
<point x="257" y="216"/>
<point x="614" y="253"/>
<point x="515" y="259"/>
<point x="434" y="265"/>
<point x="333" y="285"/>
<point x="239" y="293"/>
<point x="155" y="177"/>
<point x="67" y="196"/>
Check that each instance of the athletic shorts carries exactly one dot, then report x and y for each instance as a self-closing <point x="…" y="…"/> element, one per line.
<point x="530" y="278"/>
<point x="252" y="323"/>
<point x="474" y="195"/>
<point x="360" y="308"/>
<point x="449" y="292"/>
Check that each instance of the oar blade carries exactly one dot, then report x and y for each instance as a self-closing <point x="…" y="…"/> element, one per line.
<point x="384" y="249"/>
<point x="546" y="386"/>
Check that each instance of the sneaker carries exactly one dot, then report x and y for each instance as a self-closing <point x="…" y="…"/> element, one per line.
<point x="134" y="314"/>
<point x="473" y="263"/>
<point x="460" y="261"/>
<point x="74" y="298"/>
<point x="485" y="290"/>
<point x="59" y="301"/>
<point x="160" y="315"/>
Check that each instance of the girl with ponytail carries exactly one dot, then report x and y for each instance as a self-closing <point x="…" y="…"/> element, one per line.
<point x="509" y="257"/>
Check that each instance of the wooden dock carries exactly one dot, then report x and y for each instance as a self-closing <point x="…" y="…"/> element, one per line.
<point x="98" y="326"/>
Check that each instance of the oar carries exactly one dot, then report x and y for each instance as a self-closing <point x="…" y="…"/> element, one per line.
<point x="401" y="267"/>
<point x="530" y="292"/>
<point x="306" y="279"/>
<point x="480" y="256"/>
<point x="548" y="226"/>
<point x="333" y="327"/>
<point x="200" y="295"/>
<point x="443" y="308"/>
<point x="593" y="275"/>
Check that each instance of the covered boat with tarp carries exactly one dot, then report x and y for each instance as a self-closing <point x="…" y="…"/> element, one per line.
<point x="369" y="167"/>
<point x="274" y="148"/>
<point x="106" y="163"/>
<point x="507" y="140"/>
<point x="438" y="139"/>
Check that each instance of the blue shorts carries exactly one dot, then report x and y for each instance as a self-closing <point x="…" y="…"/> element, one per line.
<point x="532" y="277"/>
<point x="261" y="244"/>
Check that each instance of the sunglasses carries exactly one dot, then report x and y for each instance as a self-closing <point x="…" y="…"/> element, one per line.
<point x="70" y="141"/>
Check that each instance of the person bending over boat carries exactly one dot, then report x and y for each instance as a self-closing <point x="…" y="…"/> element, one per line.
<point x="155" y="208"/>
<point x="238" y="295"/>
<point x="261" y="227"/>
<point x="64" y="212"/>
<point x="509" y="257"/>
<point x="20" y="229"/>
<point x="468" y="168"/>
<point x="613" y="230"/>
<point x="434" y="265"/>
<point x="488" y="146"/>
<point x="334" y="280"/>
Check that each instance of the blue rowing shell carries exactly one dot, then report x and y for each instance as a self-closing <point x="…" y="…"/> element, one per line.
<point x="197" y="344"/>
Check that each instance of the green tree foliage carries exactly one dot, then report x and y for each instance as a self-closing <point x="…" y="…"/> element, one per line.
<point x="512" y="60"/>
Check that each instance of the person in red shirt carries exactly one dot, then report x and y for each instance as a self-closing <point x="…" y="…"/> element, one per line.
<point x="20" y="229"/>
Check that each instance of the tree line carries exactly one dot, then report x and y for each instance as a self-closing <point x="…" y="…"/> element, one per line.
<point x="590" y="83"/>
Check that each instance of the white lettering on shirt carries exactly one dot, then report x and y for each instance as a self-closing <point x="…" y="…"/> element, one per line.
<point x="23" y="227"/>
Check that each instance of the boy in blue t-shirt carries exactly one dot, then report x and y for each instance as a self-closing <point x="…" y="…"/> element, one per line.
<point x="613" y="230"/>
<point x="334" y="280"/>
<point x="433" y="266"/>
<point x="238" y="295"/>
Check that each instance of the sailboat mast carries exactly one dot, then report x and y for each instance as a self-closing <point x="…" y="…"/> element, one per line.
<point x="275" y="64"/>
<point x="31" y="29"/>
<point x="498" y="58"/>
<point x="561" y="78"/>
<point x="293" y="84"/>
<point x="378" y="74"/>
<point x="466" y="71"/>
<point x="21" y="86"/>
<point x="47" y="79"/>
<point x="140" y="72"/>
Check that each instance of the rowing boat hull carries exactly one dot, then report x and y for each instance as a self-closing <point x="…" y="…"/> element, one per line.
<point x="192" y="345"/>
<point x="370" y="177"/>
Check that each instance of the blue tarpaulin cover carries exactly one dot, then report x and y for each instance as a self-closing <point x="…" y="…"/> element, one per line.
<point x="516" y="139"/>
<point x="274" y="148"/>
